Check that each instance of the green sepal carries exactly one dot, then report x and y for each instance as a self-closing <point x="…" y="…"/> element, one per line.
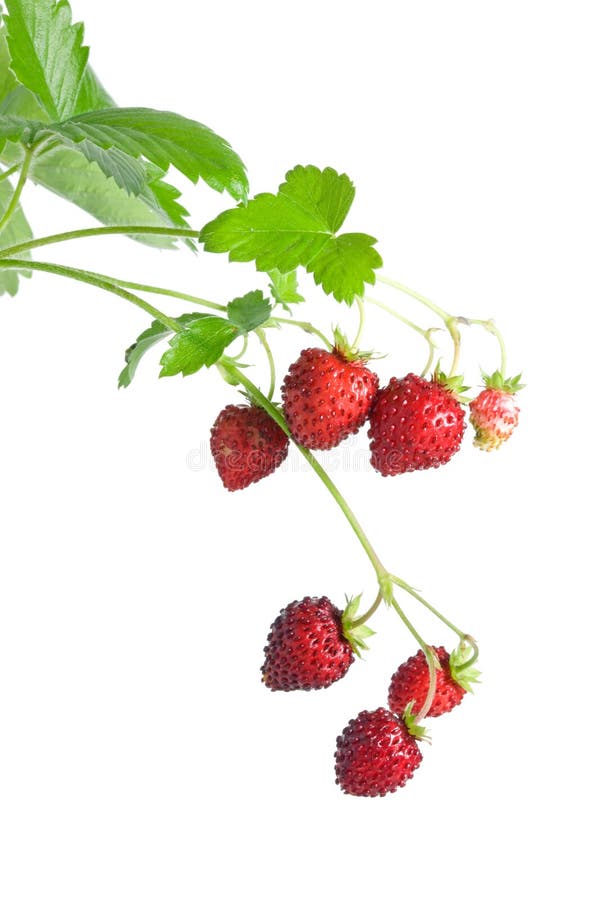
<point x="454" y="383"/>
<point x="465" y="674"/>
<point x="499" y="382"/>
<point x="249" y="312"/>
<point x="356" y="635"/>
<point x="418" y="731"/>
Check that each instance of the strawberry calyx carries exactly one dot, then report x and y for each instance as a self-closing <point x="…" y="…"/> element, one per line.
<point x="355" y="631"/>
<point x="462" y="665"/>
<point x="454" y="383"/>
<point x="498" y="382"/>
<point x="413" y="726"/>
<point x="343" y="348"/>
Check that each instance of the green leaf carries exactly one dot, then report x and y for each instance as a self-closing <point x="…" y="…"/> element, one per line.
<point x="298" y="227"/>
<point x="284" y="288"/>
<point x="345" y="265"/>
<point x="17" y="231"/>
<point x="164" y="139"/>
<point x="201" y="344"/>
<point x="47" y="52"/>
<point x="147" y="339"/>
<point x="249" y="312"/>
<point x="8" y="82"/>
<point x="68" y="174"/>
<point x="92" y="94"/>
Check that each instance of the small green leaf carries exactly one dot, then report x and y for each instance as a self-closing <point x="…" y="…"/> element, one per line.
<point x="16" y="232"/>
<point x="297" y="227"/>
<point x="147" y="339"/>
<point x="47" y="52"/>
<point x="249" y="312"/>
<point x="201" y="344"/>
<point x="92" y="94"/>
<point x="284" y="288"/>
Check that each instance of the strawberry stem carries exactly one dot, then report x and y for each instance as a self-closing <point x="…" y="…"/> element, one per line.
<point x="491" y="326"/>
<point x="410" y="590"/>
<point x="277" y="416"/>
<point x="449" y="321"/>
<point x="14" y="202"/>
<point x="92" y="278"/>
<point x="361" y="324"/>
<point x="432" y="662"/>
<point x="308" y="327"/>
<point x="273" y="374"/>
<point x="424" y="332"/>
<point x="372" y="609"/>
<point x="98" y="232"/>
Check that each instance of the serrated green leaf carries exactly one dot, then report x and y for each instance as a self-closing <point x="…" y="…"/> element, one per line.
<point x="16" y="231"/>
<point x="164" y="139"/>
<point x="47" y="52"/>
<point x="297" y="227"/>
<point x="345" y="265"/>
<point x="284" y="288"/>
<point x="201" y="344"/>
<point x="68" y="174"/>
<point x="146" y="340"/>
<point x="8" y="82"/>
<point x="249" y="312"/>
<point x="92" y="95"/>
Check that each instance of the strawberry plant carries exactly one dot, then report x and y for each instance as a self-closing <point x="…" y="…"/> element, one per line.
<point x="60" y="129"/>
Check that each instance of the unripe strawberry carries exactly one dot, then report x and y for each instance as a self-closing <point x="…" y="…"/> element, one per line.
<point x="494" y="412"/>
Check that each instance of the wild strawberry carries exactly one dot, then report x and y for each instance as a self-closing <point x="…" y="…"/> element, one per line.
<point x="410" y="683"/>
<point x="375" y="754"/>
<point x="415" y="424"/>
<point x="327" y="397"/>
<point x="494" y="412"/>
<point x="246" y="445"/>
<point x="311" y="644"/>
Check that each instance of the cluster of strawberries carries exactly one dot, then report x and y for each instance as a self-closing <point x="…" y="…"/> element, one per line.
<point x="311" y="646"/>
<point x="414" y="423"/>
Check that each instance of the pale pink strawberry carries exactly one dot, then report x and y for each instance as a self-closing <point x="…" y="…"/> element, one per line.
<point x="494" y="412"/>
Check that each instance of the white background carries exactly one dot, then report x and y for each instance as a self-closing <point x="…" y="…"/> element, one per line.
<point x="140" y="756"/>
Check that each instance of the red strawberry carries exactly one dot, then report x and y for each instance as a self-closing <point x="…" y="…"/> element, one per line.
<point x="246" y="445"/>
<point x="327" y="397"/>
<point x="415" y="424"/>
<point x="375" y="754"/>
<point x="494" y="412"/>
<point x="410" y="683"/>
<point x="306" y="647"/>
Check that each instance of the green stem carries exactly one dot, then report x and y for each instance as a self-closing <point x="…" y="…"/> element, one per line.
<point x="448" y="320"/>
<point x="9" y="172"/>
<point x="12" y="206"/>
<point x="242" y="351"/>
<point x="260" y="334"/>
<point x="371" y="611"/>
<point x="431" y="662"/>
<point x="410" y="590"/>
<point x="491" y="326"/>
<point x="97" y="232"/>
<point x="424" y="332"/>
<point x="179" y="295"/>
<point x="361" y="323"/>
<point x="94" y="279"/>
<point x="305" y="326"/>
<point x="277" y="416"/>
